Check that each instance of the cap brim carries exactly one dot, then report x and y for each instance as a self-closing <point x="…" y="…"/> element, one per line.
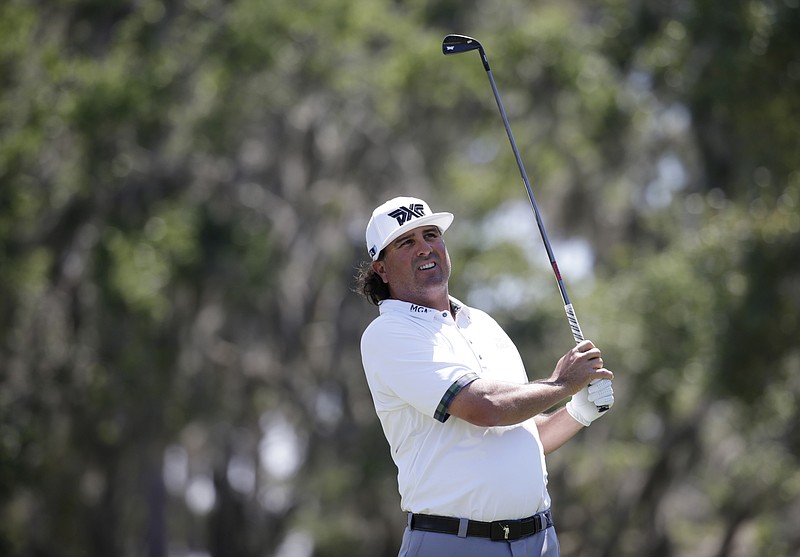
<point x="441" y="220"/>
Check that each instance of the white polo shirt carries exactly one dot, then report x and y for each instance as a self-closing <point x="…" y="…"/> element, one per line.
<point x="416" y="359"/>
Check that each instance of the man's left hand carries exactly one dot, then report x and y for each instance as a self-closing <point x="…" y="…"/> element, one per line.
<point x="583" y="406"/>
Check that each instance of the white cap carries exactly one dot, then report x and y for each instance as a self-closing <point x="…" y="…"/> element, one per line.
<point x="397" y="216"/>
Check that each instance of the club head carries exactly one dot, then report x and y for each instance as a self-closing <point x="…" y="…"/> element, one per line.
<point x="455" y="44"/>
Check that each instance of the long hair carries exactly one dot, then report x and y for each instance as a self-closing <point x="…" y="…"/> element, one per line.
<point x="370" y="285"/>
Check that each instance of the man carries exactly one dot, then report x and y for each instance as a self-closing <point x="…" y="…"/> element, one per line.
<point x="466" y="428"/>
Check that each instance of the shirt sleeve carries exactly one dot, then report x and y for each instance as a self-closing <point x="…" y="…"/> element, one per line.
<point x="442" y="411"/>
<point x="411" y="366"/>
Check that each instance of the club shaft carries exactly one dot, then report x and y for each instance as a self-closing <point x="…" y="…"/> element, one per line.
<point x="577" y="333"/>
<point x="576" y="329"/>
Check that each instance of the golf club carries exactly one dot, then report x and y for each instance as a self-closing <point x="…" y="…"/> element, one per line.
<point x="456" y="44"/>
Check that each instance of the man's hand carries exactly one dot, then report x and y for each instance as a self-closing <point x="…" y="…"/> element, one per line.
<point x="582" y="365"/>
<point x="583" y="404"/>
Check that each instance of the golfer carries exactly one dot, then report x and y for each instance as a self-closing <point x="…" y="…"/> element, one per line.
<point x="465" y="426"/>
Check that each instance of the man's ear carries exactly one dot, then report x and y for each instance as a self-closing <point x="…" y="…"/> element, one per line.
<point x="380" y="269"/>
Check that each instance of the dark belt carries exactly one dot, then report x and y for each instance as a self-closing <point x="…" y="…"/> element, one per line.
<point x="499" y="530"/>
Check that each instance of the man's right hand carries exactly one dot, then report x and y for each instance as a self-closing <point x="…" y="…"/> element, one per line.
<point x="579" y="367"/>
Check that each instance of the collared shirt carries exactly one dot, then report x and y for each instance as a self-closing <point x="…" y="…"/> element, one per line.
<point x="416" y="360"/>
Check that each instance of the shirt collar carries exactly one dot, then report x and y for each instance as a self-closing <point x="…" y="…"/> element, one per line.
<point x="422" y="312"/>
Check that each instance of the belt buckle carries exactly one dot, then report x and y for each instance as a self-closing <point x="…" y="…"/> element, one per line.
<point x="505" y="530"/>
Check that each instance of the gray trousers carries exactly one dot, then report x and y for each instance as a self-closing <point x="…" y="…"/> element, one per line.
<point x="418" y="543"/>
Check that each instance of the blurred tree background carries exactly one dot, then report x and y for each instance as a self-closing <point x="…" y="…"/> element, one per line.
<point x="183" y="192"/>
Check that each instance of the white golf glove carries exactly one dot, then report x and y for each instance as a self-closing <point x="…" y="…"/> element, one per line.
<point x="583" y="404"/>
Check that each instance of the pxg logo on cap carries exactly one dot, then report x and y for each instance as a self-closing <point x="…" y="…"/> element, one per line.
<point x="405" y="214"/>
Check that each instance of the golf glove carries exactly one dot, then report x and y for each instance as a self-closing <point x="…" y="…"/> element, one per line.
<point x="583" y="404"/>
